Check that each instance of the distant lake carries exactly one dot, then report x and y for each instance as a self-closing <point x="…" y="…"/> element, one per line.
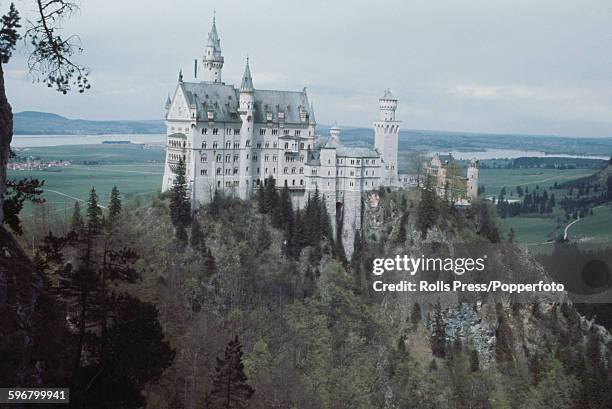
<point x="31" y="141"/>
<point x="511" y="154"/>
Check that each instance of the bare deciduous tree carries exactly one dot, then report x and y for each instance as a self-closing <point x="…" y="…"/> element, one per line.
<point x="50" y="60"/>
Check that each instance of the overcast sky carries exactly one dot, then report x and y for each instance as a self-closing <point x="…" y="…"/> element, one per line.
<point x="504" y="66"/>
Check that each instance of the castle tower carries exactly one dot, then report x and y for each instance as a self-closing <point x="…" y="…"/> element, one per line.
<point x="212" y="62"/>
<point x="472" y="181"/>
<point x="246" y="110"/>
<point x="386" y="133"/>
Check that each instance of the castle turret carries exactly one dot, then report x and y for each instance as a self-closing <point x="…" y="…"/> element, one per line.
<point x="472" y="180"/>
<point x="386" y="133"/>
<point x="246" y="109"/>
<point x="212" y="62"/>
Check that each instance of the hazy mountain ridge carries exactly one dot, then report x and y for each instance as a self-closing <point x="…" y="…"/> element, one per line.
<point x="44" y="123"/>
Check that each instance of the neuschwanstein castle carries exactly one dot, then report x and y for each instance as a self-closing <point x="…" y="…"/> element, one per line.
<point x="234" y="139"/>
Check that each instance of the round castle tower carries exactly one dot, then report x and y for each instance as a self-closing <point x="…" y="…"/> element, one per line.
<point x="386" y="134"/>
<point x="213" y="60"/>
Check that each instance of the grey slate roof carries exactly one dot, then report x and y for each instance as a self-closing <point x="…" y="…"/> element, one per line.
<point x="247" y="79"/>
<point x="288" y="102"/>
<point x="223" y="100"/>
<point x="356" y="152"/>
<point x="213" y="37"/>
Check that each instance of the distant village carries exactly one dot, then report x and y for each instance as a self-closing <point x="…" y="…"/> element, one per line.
<point x="35" y="163"/>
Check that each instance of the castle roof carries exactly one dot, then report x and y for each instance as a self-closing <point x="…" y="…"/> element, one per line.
<point x="213" y="37"/>
<point x="223" y="100"/>
<point x="247" y="79"/>
<point x="356" y="152"/>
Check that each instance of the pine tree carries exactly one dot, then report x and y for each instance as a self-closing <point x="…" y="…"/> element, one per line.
<point x="114" y="206"/>
<point x="270" y="199"/>
<point x="181" y="234"/>
<point x="180" y="208"/>
<point x="427" y="211"/>
<point x="77" y="225"/>
<point x="284" y="214"/>
<point x="94" y="213"/>
<point x="264" y="239"/>
<point x="230" y="389"/>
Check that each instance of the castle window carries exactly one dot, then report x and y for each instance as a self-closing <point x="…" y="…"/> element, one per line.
<point x="204" y="158"/>
<point x="218" y="171"/>
<point x="286" y="145"/>
<point x="228" y="145"/>
<point x="227" y="158"/>
<point x="352" y="173"/>
<point x="248" y="142"/>
<point x="203" y="145"/>
<point x="292" y="170"/>
<point x="254" y="158"/>
<point x="237" y="131"/>
<point x="301" y="182"/>
<point x="204" y="131"/>
<point x="358" y="161"/>
<point x="228" y="184"/>
<point x="301" y="145"/>
<point x="267" y="145"/>
<point x="301" y="171"/>
<point x="235" y="158"/>
<point x="203" y="172"/>
<point x="215" y="145"/>
<point x="218" y="183"/>
<point x="373" y="162"/>
<point x="275" y="145"/>
<point x="266" y="158"/>
<point x="286" y="170"/>
<point x="266" y="171"/>
<point x="228" y="171"/>
<point x="228" y="131"/>
<point x="286" y="131"/>
<point x="258" y="145"/>
<point x="298" y="132"/>
<point x="274" y="158"/>
<point x="235" y="171"/>
<point x="236" y="145"/>
<point x="215" y="131"/>
<point x="274" y="131"/>
<point x="262" y="131"/>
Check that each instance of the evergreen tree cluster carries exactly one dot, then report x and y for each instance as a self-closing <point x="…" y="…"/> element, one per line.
<point x="301" y="227"/>
<point x="118" y="345"/>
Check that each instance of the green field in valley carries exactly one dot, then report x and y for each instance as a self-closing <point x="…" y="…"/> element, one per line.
<point x="134" y="170"/>
<point x="495" y="179"/>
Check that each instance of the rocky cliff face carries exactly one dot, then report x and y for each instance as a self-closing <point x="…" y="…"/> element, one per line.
<point x="528" y="326"/>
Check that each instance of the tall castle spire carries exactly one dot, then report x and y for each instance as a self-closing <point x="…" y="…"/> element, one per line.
<point x="247" y="79"/>
<point x="213" y="60"/>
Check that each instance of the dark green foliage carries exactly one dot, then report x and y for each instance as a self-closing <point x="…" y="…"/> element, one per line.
<point x="114" y="206"/>
<point x="401" y="232"/>
<point x="264" y="239"/>
<point x="94" y="213"/>
<point x="77" y="224"/>
<point x="230" y="388"/>
<point x="270" y="196"/>
<point x="17" y="193"/>
<point x="428" y="208"/>
<point x="8" y="33"/>
<point x="180" y="207"/>
<point x="132" y="354"/>
<point x="181" y="234"/>
<point x="284" y="213"/>
<point x="609" y="187"/>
